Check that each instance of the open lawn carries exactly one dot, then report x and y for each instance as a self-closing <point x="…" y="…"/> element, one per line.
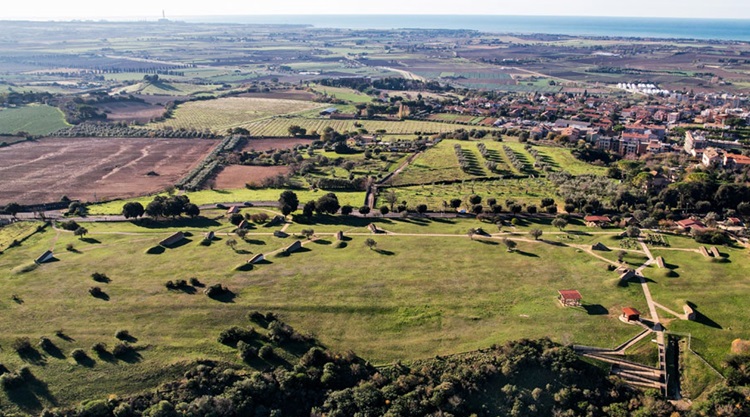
<point x="221" y="114"/>
<point x="560" y="159"/>
<point x="439" y="163"/>
<point x="33" y="119"/>
<point x="383" y="303"/>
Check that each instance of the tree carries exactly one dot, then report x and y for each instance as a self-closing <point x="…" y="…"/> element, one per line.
<point x="329" y="203"/>
<point x="510" y="244"/>
<point x="516" y="208"/>
<point x="308" y="209"/>
<point x="13" y="209"/>
<point x="81" y="232"/>
<point x="633" y="231"/>
<point x="391" y="198"/>
<point x="421" y="208"/>
<point x="477" y="208"/>
<point x="192" y="210"/>
<point x="471" y="233"/>
<point x="475" y="199"/>
<point x="455" y="203"/>
<point x="559" y="223"/>
<point x="236" y="219"/>
<point x="288" y="202"/>
<point x="308" y="233"/>
<point x="232" y="244"/>
<point x="371" y="243"/>
<point x="295" y="130"/>
<point x="364" y="210"/>
<point x="346" y="210"/>
<point x="531" y="209"/>
<point x="241" y="233"/>
<point x="384" y="210"/>
<point x="133" y="210"/>
<point x="155" y="208"/>
<point x="547" y="202"/>
<point x="536" y="233"/>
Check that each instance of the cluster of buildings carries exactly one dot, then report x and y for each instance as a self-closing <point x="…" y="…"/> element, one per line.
<point x="715" y="153"/>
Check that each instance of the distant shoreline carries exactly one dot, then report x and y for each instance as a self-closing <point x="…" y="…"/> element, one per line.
<point x="583" y="26"/>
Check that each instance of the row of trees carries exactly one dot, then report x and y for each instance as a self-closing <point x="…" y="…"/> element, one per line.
<point x="162" y="206"/>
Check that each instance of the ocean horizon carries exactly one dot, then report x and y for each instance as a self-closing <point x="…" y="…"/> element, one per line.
<point x="626" y="27"/>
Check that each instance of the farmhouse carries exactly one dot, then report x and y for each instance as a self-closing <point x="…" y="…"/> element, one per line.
<point x="691" y="224"/>
<point x="597" y="221"/>
<point x="569" y="298"/>
<point x="172" y="240"/>
<point x="631" y="314"/>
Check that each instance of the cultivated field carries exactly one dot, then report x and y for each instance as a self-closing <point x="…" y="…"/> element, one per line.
<point x="265" y="144"/>
<point x="36" y="120"/>
<point x="91" y="169"/>
<point x="236" y="176"/>
<point x="278" y="127"/>
<point x="224" y="113"/>
<point x="131" y="111"/>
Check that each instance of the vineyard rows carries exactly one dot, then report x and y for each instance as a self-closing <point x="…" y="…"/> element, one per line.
<point x="279" y="127"/>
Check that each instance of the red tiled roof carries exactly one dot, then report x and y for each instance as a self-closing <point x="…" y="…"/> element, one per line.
<point x="596" y="219"/>
<point x="630" y="311"/>
<point x="570" y="294"/>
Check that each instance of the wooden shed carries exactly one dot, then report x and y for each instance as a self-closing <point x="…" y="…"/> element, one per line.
<point x="631" y="314"/>
<point x="569" y="298"/>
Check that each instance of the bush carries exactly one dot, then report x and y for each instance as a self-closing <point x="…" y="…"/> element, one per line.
<point x="266" y="352"/>
<point x="79" y="355"/>
<point x="122" y="334"/>
<point x="99" y="277"/>
<point x="233" y="335"/>
<point x="94" y="408"/>
<point x="216" y="290"/>
<point x="70" y="225"/>
<point x="121" y="349"/>
<point x="70" y="248"/>
<point x="256" y="316"/>
<point x="195" y="282"/>
<point x="246" y="352"/>
<point x="45" y="343"/>
<point x="99" y="348"/>
<point x="96" y="291"/>
<point x="11" y="380"/>
<point x="22" y="345"/>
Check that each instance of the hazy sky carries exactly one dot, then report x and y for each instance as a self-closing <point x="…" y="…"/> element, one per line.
<point x="85" y="9"/>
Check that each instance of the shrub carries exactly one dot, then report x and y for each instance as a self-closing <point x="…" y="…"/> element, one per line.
<point x="21" y="345"/>
<point x="96" y="291"/>
<point x="233" y="335"/>
<point x="216" y="290"/>
<point x="266" y="352"/>
<point x="94" y="408"/>
<point x="99" y="277"/>
<point x="195" y="282"/>
<point x="70" y="225"/>
<point x="45" y="343"/>
<point x="99" y="348"/>
<point x="246" y="352"/>
<point x="70" y="248"/>
<point x="256" y="316"/>
<point x="79" y="355"/>
<point x="121" y="349"/>
<point x="11" y="380"/>
<point x="122" y="334"/>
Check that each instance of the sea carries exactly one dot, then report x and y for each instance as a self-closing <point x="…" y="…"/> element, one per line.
<point x="628" y="27"/>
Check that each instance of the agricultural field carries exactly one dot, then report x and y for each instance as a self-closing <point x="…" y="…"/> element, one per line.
<point x="439" y="163"/>
<point x="266" y="144"/>
<point x="131" y="111"/>
<point x="343" y="94"/>
<point x="236" y="176"/>
<point x="91" y="169"/>
<point x="169" y="88"/>
<point x="221" y="114"/>
<point x="33" y="119"/>
<point x="379" y="303"/>
<point x="278" y="126"/>
<point x="524" y="191"/>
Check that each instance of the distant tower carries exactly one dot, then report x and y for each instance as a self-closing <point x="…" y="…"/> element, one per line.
<point x="163" y="17"/>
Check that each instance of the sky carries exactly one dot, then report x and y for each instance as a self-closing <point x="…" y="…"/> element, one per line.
<point x="151" y="9"/>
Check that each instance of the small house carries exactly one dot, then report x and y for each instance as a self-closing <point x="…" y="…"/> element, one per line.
<point x="631" y="314"/>
<point x="597" y="221"/>
<point x="569" y="298"/>
<point x="691" y="225"/>
<point x="172" y="240"/>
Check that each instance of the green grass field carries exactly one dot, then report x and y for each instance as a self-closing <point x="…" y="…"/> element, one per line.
<point x="33" y="119"/>
<point x="170" y="88"/>
<point x="382" y="304"/>
<point x="343" y="94"/>
<point x="224" y="113"/>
